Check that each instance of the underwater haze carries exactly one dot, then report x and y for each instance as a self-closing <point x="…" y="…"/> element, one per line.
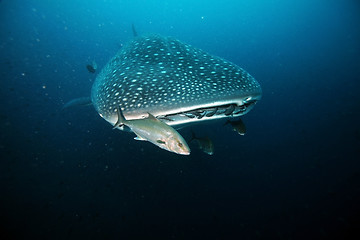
<point x="295" y="174"/>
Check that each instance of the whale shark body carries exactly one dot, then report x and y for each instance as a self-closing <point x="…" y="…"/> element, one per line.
<point x="175" y="82"/>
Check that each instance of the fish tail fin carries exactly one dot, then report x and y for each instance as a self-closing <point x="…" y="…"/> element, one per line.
<point x="193" y="136"/>
<point x="121" y="119"/>
<point x="82" y="101"/>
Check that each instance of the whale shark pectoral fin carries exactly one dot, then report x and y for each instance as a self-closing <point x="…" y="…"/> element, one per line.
<point x="82" y="101"/>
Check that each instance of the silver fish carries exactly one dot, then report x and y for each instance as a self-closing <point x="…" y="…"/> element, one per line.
<point x="177" y="83"/>
<point x="155" y="131"/>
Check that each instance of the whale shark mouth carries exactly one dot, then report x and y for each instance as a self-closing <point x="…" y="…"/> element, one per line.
<point x="208" y="112"/>
<point x="182" y="117"/>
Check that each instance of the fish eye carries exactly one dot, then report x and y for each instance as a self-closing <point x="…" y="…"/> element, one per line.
<point x="180" y="144"/>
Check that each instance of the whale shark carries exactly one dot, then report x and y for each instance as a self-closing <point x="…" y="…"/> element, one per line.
<point x="174" y="81"/>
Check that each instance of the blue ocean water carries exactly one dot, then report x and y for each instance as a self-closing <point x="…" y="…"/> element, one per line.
<point x="69" y="175"/>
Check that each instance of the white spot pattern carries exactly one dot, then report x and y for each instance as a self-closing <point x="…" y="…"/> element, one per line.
<point x="161" y="72"/>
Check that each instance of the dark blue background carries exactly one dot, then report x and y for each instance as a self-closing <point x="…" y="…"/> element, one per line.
<point x="294" y="175"/>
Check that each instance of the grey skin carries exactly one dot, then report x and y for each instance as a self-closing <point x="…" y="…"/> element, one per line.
<point x="155" y="131"/>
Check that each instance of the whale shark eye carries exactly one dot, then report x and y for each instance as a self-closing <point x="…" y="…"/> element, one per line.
<point x="180" y="144"/>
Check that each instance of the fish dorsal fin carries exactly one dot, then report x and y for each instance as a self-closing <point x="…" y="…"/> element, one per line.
<point x="121" y="119"/>
<point x="151" y="117"/>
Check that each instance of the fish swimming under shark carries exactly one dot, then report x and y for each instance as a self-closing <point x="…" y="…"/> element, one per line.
<point x="155" y="131"/>
<point x="176" y="83"/>
<point x="204" y="143"/>
<point x="238" y="126"/>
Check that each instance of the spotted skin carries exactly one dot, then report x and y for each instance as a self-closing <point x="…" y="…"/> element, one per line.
<point x="166" y="77"/>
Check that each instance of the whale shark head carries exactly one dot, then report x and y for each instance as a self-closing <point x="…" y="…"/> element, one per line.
<point x="177" y="83"/>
